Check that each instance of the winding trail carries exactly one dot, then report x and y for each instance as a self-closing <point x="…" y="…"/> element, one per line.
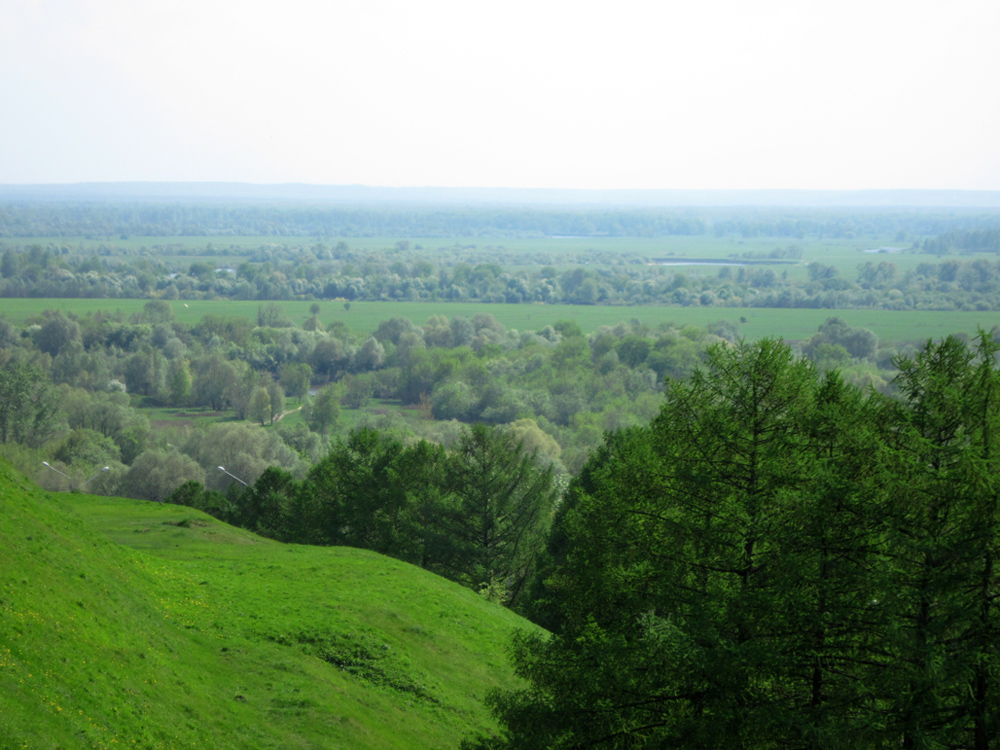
<point x="286" y="413"/>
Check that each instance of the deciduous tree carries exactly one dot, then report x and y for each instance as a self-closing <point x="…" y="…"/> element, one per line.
<point x="27" y="405"/>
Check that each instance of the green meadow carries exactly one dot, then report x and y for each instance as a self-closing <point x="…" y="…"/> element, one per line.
<point x="364" y="317"/>
<point x="128" y="624"/>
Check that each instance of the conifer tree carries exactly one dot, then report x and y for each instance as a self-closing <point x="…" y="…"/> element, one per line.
<point x="501" y="499"/>
<point x="941" y="547"/>
<point x="670" y="560"/>
<point x="777" y="562"/>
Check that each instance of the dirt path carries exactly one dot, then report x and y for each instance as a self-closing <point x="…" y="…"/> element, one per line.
<point x="286" y="413"/>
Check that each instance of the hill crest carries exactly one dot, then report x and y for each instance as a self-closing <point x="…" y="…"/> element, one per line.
<point x="207" y="636"/>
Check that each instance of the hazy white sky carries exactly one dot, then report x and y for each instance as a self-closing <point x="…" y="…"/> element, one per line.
<point x="828" y="94"/>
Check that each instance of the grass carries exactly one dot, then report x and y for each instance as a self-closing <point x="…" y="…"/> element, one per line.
<point x="169" y="416"/>
<point x="131" y="624"/>
<point x="364" y="317"/>
<point x="888" y="325"/>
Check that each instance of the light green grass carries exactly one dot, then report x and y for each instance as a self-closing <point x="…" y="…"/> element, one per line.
<point x="889" y="325"/>
<point x="163" y="416"/>
<point x="364" y="317"/>
<point x="131" y="624"/>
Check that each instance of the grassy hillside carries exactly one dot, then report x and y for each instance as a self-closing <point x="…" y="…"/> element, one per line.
<point x="130" y="624"/>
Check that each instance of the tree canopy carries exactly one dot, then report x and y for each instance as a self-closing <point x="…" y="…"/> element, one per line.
<point x="778" y="560"/>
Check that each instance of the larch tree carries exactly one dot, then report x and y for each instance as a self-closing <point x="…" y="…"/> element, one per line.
<point x="502" y="498"/>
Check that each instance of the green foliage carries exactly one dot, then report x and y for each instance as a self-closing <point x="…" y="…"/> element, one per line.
<point x="87" y="447"/>
<point x="633" y="350"/>
<point x="195" y="495"/>
<point x="369" y="491"/>
<point x="214" y="381"/>
<point x="259" y="407"/>
<point x="943" y="542"/>
<point x="110" y="415"/>
<point x="146" y="372"/>
<point x="243" y="389"/>
<point x="55" y="333"/>
<point x="500" y="504"/>
<point x="370" y="356"/>
<point x="158" y="311"/>
<point x="477" y="514"/>
<point x="156" y="473"/>
<point x="275" y="400"/>
<point x="263" y="507"/>
<point x="301" y="439"/>
<point x="574" y="387"/>
<point x="777" y="561"/>
<point x="245" y="450"/>
<point x="179" y="381"/>
<point x="358" y="391"/>
<point x="533" y="439"/>
<point x="296" y="378"/>
<point x="27" y="404"/>
<point x="324" y="410"/>
<point x="271" y="315"/>
<point x="859" y="343"/>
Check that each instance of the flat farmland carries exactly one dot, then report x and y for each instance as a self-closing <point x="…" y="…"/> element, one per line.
<point x="364" y="317"/>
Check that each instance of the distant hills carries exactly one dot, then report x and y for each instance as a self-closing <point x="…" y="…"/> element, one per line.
<point x="230" y="192"/>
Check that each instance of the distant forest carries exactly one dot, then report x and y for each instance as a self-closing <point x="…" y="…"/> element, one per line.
<point x="94" y="220"/>
<point x="495" y="275"/>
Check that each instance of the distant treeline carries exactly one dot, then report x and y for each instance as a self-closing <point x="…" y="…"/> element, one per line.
<point x="493" y="275"/>
<point x="145" y="220"/>
<point x="116" y="220"/>
<point x="981" y="240"/>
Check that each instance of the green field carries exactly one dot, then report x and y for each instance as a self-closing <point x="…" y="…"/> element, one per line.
<point x="364" y="317"/>
<point x="125" y="623"/>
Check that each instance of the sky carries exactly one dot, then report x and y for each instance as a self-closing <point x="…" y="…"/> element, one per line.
<point x="705" y="94"/>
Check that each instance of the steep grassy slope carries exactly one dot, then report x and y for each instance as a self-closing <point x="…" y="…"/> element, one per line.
<point x="206" y="636"/>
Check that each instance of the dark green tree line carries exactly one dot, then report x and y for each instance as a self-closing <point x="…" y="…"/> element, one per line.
<point x="778" y="560"/>
<point x="477" y="514"/>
